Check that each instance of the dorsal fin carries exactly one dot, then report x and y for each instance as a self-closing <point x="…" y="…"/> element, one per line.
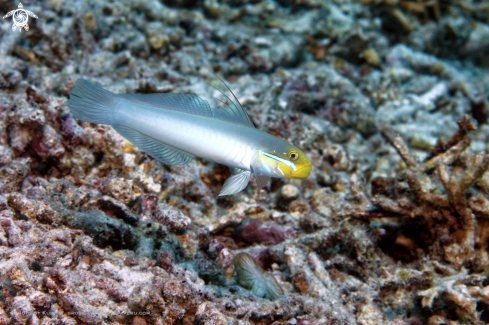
<point x="185" y="103"/>
<point x="239" y="113"/>
<point x="228" y="115"/>
<point x="233" y="112"/>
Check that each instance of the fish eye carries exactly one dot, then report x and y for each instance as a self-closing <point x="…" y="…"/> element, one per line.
<point x="293" y="155"/>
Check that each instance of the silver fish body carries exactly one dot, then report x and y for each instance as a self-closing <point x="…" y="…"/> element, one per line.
<point x="217" y="140"/>
<point x="175" y="128"/>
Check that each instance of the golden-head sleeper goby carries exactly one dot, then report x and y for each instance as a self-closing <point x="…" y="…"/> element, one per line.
<point x="175" y="128"/>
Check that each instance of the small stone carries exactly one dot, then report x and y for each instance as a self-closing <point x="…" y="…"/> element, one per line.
<point x="371" y="57"/>
<point x="172" y="218"/>
<point x="140" y="297"/>
<point x="40" y="300"/>
<point x="298" y="207"/>
<point x="14" y="233"/>
<point x="226" y="257"/>
<point x="456" y="253"/>
<point x="289" y="192"/>
<point x="260" y="231"/>
<point x="436" y="320"/>
<point x="73" y="133"/>
<point x="138" y="320"/>
<point x="176" y="291"/>
<point x="35" y="320"/>
<point x="157" y="41"/>
<point x="370" y="314"/>
<point x="149" y="203"/>
<point x="121" y="189"/>
<point x="6" y="155"/>
<point x="4" y="319"/>
<point x="48" y="144"/>
<point x="207" y="313"/>
<point x="337" y="157"/>
<point x="21" y="309"/>
<point x="156" y="35"/>
<point x="212" y="9"/>
<point x="165" y="259"/>
<point x="89" y="21"/>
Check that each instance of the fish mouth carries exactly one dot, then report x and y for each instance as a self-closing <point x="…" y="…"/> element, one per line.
<point x="302" y="173"/>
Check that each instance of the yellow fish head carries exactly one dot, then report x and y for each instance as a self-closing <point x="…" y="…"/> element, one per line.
<point x="291" y="164"/>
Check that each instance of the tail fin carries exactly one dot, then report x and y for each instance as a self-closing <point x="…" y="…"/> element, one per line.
<point x="91" y="103"/>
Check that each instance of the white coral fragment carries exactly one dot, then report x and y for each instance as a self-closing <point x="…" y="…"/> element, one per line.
<point x="450" y="288"/>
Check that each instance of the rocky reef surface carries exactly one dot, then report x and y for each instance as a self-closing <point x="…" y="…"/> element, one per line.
<point x="389" y="99"/>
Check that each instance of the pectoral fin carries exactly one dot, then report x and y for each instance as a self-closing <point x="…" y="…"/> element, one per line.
<point x="236" y="183"/>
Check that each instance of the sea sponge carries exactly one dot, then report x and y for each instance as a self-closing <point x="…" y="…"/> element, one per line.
<point x="252" y="277"/>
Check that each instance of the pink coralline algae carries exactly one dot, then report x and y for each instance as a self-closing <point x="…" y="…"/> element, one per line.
<point x="171" y="217"/>
<point x="73" y="133"/>
<point x="264" y="232"/>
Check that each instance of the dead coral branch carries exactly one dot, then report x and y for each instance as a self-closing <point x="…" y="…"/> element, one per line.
<point x="457" y="187"/>
<point x="456" y="180"/>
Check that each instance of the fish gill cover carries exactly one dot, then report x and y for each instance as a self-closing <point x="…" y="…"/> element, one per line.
<point x="389" y="100"/>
